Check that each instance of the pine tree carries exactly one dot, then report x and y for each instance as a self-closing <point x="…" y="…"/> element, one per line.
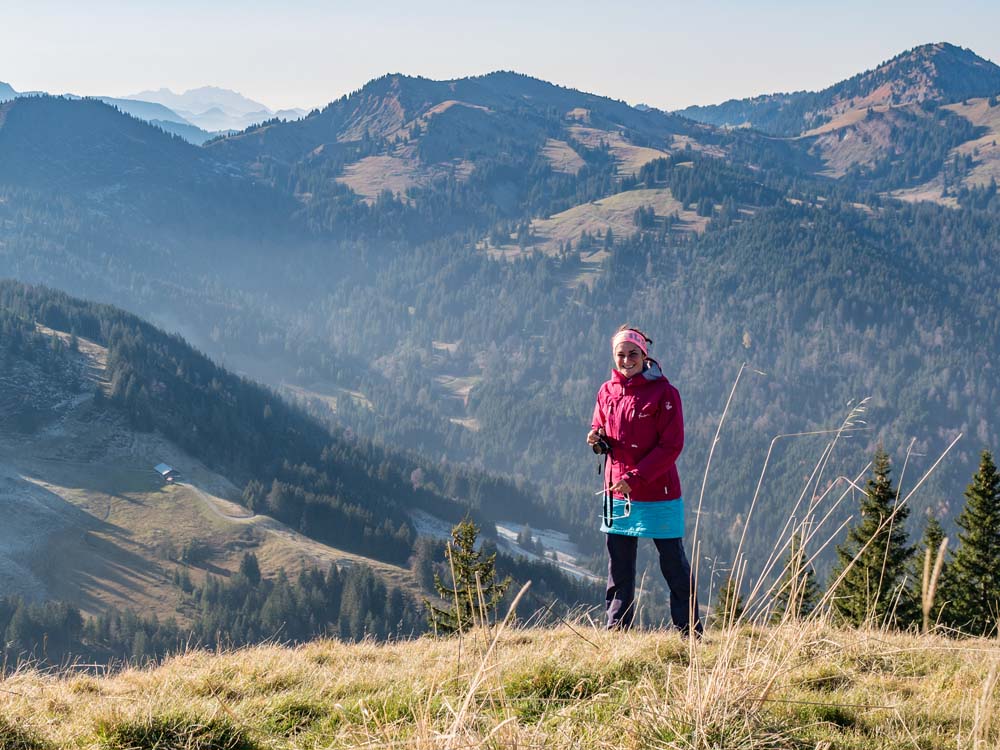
<point x="974" y="576"/>
<point x="250" y="568"/>
<point x="875" y="556"/>
<point x="475" y="592"/>
<point x="797" y="592"/>
<point x="422" y="563"/>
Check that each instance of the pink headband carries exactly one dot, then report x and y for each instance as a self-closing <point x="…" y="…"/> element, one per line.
<point x="632" y="337"/>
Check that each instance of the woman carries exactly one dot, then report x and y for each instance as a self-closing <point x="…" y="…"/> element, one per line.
<point x="638" y="416"/>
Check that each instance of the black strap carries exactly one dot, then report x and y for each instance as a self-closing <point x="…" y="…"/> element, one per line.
<point x="609" y="503"/>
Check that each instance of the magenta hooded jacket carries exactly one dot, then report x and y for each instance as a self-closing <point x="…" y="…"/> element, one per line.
<point x="644" y="425"/>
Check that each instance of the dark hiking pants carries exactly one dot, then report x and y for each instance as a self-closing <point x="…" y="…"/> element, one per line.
<point x="621" y="581"/>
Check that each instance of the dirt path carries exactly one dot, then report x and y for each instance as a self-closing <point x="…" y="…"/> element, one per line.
<point x="212" y="503"/>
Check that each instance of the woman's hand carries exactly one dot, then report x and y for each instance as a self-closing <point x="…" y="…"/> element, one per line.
<point x="593" y="435"/>
<point x="621" y="487"/>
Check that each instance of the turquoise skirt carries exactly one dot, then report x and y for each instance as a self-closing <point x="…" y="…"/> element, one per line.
<point x="654" y="519"/>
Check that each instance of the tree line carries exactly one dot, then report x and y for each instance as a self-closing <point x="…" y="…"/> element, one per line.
<point x="881" y="580"/>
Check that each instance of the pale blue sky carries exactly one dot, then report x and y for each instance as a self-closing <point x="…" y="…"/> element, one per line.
<point x="667" y="54"/>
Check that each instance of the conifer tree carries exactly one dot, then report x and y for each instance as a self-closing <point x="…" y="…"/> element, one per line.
<point x="250" y="568"/>
<point x="475" y="591"/>
<point x="873" y="561"/>
<point x="974" y="576"/>
<point x="797" y="590"/>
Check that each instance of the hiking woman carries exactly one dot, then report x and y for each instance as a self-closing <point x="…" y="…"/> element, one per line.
<point x="638" y="416"/>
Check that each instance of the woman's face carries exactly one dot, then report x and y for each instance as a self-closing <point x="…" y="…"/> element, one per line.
<point x="628" y="359"/>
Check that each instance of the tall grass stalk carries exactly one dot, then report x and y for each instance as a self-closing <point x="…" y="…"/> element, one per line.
<point x="928" y="588"/>
<point x="849" y="424"/>
<point x="831" y="590"/>
<point x="983" y="716"/>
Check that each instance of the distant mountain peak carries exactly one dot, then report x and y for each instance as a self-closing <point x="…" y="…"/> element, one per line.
<point x="930" y="72"/>
<point x="6" y="91"/>
<point x="211" y="108"/>
<point x="938" y="72"/>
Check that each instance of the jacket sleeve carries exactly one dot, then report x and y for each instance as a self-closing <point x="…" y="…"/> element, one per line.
<point x="598" y="419"/>
<point x="670" y="442"/>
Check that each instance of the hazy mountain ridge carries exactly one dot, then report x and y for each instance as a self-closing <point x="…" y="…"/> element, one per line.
<point x="426" y="243"/>
<point x="160" y="110"/>
<point x="940" y="73"/>
<point x="216" y="109"/>
<point x="922" y="101"/>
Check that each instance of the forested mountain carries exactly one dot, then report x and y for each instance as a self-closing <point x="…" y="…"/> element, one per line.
<point x="931" y="74"/>
<point x="291" y="466"/>
<point x="438" y="267"/>
<point x="91" y="397"/>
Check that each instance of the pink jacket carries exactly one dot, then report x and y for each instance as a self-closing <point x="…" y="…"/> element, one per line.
<point x="644" y="424"/>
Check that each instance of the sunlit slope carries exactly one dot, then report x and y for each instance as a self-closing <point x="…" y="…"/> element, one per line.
<point x="792" y="687"/>
<point x="92" y="523"/>
<point x="931" y="73"/>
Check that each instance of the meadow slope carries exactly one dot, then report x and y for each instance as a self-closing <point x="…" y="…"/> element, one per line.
<point x="794" y="686"/>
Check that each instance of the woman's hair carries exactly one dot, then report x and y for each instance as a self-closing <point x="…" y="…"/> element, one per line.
<point x="629" y="327"/>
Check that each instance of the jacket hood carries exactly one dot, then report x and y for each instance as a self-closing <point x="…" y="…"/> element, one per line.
<point x="651" y="372"/>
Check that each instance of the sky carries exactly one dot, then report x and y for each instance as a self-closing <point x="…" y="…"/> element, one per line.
<point x="305" y="53"/>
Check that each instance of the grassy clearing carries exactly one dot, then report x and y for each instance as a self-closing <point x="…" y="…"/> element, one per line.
<point x="630" y="157"/>
<point x="792" y="686"/>
<point x="562" y="157"/>
<point x="370" y="176"/>
<point x="616" y="212"/>
<point x="985" y="150"/>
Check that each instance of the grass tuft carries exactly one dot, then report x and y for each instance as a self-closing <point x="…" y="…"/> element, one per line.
<point x="294" y="715"/>
<point x="171" y="733"/>
<point x="16" y="737"/>
<point x="547" y="683"/>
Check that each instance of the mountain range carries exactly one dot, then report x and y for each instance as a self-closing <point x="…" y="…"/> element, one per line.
<point x="857" y="122"/>
<point x="436" y="267"/>
<point x="926" y="75"/>
<point x="215" y="109"/>
<point x="196" y="115"/>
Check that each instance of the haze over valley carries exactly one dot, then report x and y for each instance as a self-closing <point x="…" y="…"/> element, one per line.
<point x="351" y="327"/>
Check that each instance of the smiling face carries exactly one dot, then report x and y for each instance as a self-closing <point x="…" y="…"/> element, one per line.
<point x="628" y="359"/>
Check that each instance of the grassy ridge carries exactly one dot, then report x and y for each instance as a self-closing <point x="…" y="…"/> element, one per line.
<point x="795" y="686"/>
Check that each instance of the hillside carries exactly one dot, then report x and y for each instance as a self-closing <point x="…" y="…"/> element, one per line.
<point x="92" y="524"/>
<point x="794" y="687"/>
<point x="932" y="73"/>
<point x="436" y="266"/>
<point x="893" y="126"/>
<point x="93" y="398"/>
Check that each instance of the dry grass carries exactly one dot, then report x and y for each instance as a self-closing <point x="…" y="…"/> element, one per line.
<point x="562" y="157"/>
<point x="794" y="686"/>
<point x="616" y="212"/>
<point x="984" y="150"/>
<point x="397" y="173"/>
<point x="630" y="157"/>
<point x="370" y="176"/>
<point x="458" y="386"/>
<point x="931" y="191"/>
<point x="861" y="141"/>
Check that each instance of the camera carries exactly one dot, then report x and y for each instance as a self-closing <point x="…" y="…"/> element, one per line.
<point x="602" y="446"/>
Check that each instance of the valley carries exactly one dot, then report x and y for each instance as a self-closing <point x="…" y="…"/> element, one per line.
<point x="424" y="274"/>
